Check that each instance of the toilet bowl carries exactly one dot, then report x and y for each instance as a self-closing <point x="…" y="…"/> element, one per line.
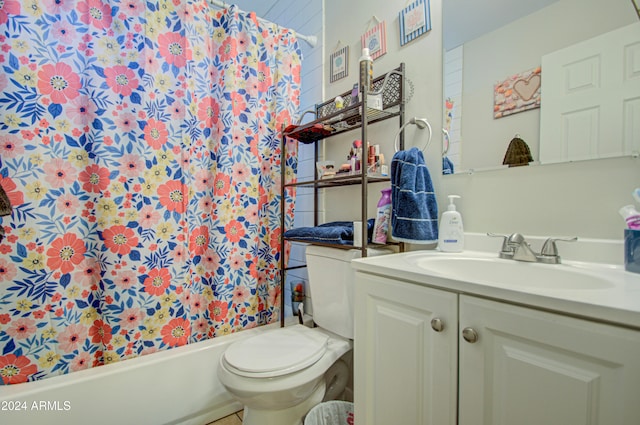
<point x="282" y="373"/>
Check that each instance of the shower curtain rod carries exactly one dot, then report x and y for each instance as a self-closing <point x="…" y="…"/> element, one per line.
<point x="312" y="40"/>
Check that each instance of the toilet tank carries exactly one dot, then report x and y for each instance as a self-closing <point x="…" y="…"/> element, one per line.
<point x="331" y="282"/>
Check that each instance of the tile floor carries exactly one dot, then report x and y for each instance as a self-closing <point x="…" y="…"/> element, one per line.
<point x="233" y="419"/>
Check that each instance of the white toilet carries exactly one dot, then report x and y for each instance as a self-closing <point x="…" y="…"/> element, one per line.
<point x="280" y="374"/>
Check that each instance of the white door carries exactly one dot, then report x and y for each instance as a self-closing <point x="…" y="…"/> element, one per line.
<point x="405" y="372"/>
<point x="590" y="104"/>
<point x="529" y="367"/>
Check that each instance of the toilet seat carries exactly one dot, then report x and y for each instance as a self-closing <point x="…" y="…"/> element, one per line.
<point x="277" y="352"/>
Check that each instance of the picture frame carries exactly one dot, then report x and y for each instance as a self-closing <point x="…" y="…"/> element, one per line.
<point x="376" y="40"/>
<point x="415" y="20"/>
<point x="518" y="93"/>
<point x="339" y="64"/>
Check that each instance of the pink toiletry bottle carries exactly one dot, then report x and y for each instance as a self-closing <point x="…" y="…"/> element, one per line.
<point x="383" y="217"/>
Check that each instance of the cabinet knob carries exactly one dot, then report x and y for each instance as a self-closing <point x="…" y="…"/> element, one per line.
<point x="437" y="325"/>
<point x="470" y="335"/>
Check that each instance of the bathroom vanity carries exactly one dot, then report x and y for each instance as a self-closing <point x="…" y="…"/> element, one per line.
<point x="471" y="339"/>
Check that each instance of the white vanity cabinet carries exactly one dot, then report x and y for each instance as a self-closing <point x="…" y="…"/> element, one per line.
<point x="405" y="353"/>
<point x="492" y="363"/>
<point x="530" y="367"/>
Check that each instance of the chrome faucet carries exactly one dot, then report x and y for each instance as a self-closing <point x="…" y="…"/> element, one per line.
<point x="515" y="247"/>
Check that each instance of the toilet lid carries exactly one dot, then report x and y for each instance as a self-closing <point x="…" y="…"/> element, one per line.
<point x="277" y="352"/>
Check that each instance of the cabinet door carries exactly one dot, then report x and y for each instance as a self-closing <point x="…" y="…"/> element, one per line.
<point x="405" y="371"/>
<point x="529" y="367"/>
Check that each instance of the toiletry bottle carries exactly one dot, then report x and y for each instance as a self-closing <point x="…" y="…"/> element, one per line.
<point x="383" y="217"/>
<point x="451" y="232"/>
<point x="366" y="70"/>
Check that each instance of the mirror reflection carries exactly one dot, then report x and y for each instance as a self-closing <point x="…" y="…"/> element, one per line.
<point x="500" y="101"/>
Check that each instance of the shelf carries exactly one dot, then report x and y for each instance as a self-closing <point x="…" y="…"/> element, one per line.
<point x="339" y="246"/>
<point x="345" y="180"/>
<point x="331" y="121"/>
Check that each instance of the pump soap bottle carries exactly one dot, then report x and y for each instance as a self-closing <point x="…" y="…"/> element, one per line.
<point x="451" y="233"/>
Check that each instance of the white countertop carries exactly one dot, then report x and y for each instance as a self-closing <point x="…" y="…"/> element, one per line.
<point x="618" y="304"/>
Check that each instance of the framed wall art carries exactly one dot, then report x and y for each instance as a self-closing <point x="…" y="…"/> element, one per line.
<point x="517" y="93"/>
<point x="415" y="20"/>
<point x="339" y="66"/>
<point x="376" y="39"/>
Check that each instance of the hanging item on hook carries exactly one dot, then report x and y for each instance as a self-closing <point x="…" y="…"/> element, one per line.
<point x="518" y="153"/>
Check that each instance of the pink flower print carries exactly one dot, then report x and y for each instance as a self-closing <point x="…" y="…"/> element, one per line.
<point x="173" y="196"/>
<point x="240" y="294"/>
<point x="3" y="82"/>
<point x="68" y="204"/>
<point x="82" y="111"/>
<point x="238" y="104"/>
<point x="15" y="196"/>
<point x="179" y="254"/>
<point x="56" y="7"/>
<point x="198" y="304"/>
<point x="59" y="172"/>
<point x="100" y="332"/>
<point x="94" y="178"/>
<point x="10" y="146"/>
<point x="211" y="260"/>
<point x="199" y="240"/>
<point x="64" y="32"/>
<point x="234" y="231"/>
<point x="131" y="165"/>
<point x="177" y="110"/>
<point x="176" y="332"/>
<point x="132" y="8"/>
<point x="88" y="272"/>
<point x="151" y="64"/>
<point x="121" y="79"/>
<point x="173" y="47"/>
<point x="264" y="77"/>
<point x="126" y="279"/>
<point x="203" y="180"/>
<point x="236" y="262"/>
<point x="15" y="369"/>
<point x="155" y="133"/>
<point x="72" y="337"/>
<point x="228" y="49"/>
<point x="8" y="7"/>
<point x="240" y="172"/>
<point x="208" y="111"/>
<point x="131" y="318"/>
<point x="96" y="13"/>
<point x="157" y="281"/>
<point x="126" y="122"/>
<point x="7" y="271"/>
<point x="119" y="239"/>
<point x="149" y="217"/>
<point x="66" y="252"/>
<point x="59" y="81"/>
<point x="22" y="328"/>
<point x="80" y="362"/>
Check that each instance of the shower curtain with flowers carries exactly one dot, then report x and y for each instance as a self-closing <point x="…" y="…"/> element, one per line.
<point x="140" y="151"/>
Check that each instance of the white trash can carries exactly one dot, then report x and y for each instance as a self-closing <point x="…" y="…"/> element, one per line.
<point x="335" y="412"/>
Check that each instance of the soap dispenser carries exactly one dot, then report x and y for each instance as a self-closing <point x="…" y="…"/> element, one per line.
<point x="451" y="232"/>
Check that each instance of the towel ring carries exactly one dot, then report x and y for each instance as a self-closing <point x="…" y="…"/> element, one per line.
<point x="445" y="150"/>
<point x="421" y="123"/>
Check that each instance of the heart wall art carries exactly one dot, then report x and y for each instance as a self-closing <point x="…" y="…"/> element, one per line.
<point x="517" y="93"/>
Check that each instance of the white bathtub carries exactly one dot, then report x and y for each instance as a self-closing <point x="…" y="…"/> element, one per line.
<point x="177" y="386"/>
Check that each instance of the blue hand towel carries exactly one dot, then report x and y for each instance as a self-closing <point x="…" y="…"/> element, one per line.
<point x="414" y="212"/>
<point x="335" y="232"/>
<point x="447" y="166"/>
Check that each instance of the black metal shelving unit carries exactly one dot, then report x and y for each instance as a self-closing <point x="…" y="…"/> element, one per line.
<point x="330" y="121"/>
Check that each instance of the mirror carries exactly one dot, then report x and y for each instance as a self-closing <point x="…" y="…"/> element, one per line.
<point x="503" y="41"/>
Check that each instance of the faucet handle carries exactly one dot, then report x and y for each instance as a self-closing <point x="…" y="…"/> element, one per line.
<point x="549" y="248"/>
<point x="507" y="250"/>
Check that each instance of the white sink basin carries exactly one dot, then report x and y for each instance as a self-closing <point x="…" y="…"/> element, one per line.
<point x="484" y="270"/>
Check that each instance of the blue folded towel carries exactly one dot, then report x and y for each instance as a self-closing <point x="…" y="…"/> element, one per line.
<point x="337" y="232"/>
<point x="414" y="213"/>
<point x="447" y="166"/>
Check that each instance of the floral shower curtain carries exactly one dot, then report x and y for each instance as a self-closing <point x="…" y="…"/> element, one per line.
<point x="140" y="151"/>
